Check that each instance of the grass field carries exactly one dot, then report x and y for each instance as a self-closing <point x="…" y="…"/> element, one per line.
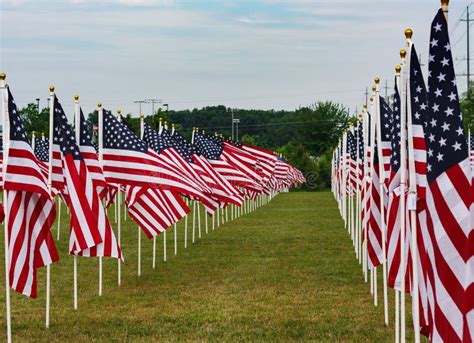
<point x="284" y="272"/>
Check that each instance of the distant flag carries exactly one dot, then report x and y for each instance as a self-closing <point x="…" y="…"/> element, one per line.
<point x="30" y="207"/>
<point x="128" y="160"/>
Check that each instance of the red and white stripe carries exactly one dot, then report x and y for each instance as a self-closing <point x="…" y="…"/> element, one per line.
<point x="154" y="210"/>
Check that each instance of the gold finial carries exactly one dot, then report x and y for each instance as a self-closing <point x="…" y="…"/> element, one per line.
<point x="119" y="112"/>
<point x="99" y="104"/>
<point x="408" y="33"/>
<point x="377" y="80"/>
<point x="374" y="88"/>
<point x="372" y="99"/>
<point x="398" y="69"/>
<point x="76" y="98"/>
<point x="364" y="106"/>
<point x="160" y="119"/>
<point x="142" y="116"/>
<point x="3" y="76"/>
<point x="165" y="123"/>
<point x="42" y="134"/>
<point x="444" y="3"/>
<point x="33" y="132"/>
<point x="51" y="88"/>
<point x="403" y="53"/>
<point x="172" y="125"/>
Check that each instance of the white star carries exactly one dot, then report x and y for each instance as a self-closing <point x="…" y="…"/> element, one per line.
<point x="447" y="47"/>
<point x="430" y="152"/>
<point x="418" y="89"/>
<point x="435" y="108"/>
<point x="442" y="142"/>
<point x="452" y="96"/>
<point x="460" y="131"/>
<point x="423" y="106"/>
<point x="428" y="167"/>
<point x="445" y="62"/>
<point x="437" y="27"/>
<point x="457" y="146"/>
<point x="439" y="157"/>
<point x="441" y="77"/>
<point x="449" y="112"/>
<point x="438" y="92"/>
<point x="434" y="43"/>
<point x="445" y="126"/>
<point x="431" y="138"/>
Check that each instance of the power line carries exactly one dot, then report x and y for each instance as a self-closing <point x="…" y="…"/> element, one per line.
<point x="273" y="124"/>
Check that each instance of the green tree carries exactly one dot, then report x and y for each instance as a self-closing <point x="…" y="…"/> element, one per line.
<point x="34" y="121"/>
<point x="467" y="108"/>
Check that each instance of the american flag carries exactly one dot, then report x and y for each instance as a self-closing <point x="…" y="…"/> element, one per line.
<point x="42" y="149"/>
<point x="128" y="160"/>
<point x="265" y="160"/>
<point x="351" y="162"/>
<point x="31" y="210"/>
<point x="375" y="242"/>
<point x="417" y="181"/>
<point x="81" y="195"/>
<point x="154" y="210"/>
<point x="448" y="200"/>
<point x="212" y="148"/>
<point x="386" y="134"/>
<point x="393" y="203"/>
<point x="89" y="153"/>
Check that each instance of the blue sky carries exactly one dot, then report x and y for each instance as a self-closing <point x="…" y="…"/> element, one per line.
<point x="249" y="54"/>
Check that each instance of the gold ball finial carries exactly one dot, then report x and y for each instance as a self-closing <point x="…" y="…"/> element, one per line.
<point x="76" y="98"/>
<point x="165" y="123"/>
<point x="142" y="116"/>
<point x="160" y="119"/>
<point x="408" y="33"/>
<point x="377" y="80"/>
<point x="119" y="112"/>
<point x="444" y="2"/>
<point x="372" y="99"/>
<point x="51" y="88"/>
<point x="42" y="134"/>
<point x="403" y="53"/>
<point x="364" y="106"/>
<point x="3" y="76"/>
<point x="374" y="88"/>
<point x="398" y="69"/>
<point x="99" y="104"/>
<point x="33" y="132"/>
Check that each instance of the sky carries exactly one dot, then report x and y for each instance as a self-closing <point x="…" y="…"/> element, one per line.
<point x="259" y="54"/>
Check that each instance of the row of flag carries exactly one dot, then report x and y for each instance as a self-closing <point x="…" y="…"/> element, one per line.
<point x="404" y="180"/>
<point x="159" y="172"/>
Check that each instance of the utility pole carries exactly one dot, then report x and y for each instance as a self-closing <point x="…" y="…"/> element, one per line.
<point x="38" y="104"/>
<point x="232" y="112"/>
<point x="153" y="102"/>
<point x="139" y="102"/>
<point x="367" y="95"/>
<point x="468" y="21"/>
<point x="386" y="93"/>
<point x="236" y="122"/>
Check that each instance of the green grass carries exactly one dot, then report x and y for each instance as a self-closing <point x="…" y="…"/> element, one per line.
<point x="284" y="272"/>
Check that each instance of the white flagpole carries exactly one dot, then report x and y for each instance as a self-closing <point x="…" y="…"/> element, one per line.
<point x="100" y="123"/>
<point x="213" y="220"/>
<point x="175" y="238"/>
<point x="382" y="198"/>
<point x="412" y="199"/>
<point x="205" y="219"/>
<point x="194" y="220"/>
<point x="154" y="252"/>
<point x="403" y="180"/>
<point x="77" y="128"/>
<point x="199" y="219"/>
<point x="6" y="134"/>
<point x="186" y="229"/>
<point x="139" y="268"/>
<point x="50" y="180"/>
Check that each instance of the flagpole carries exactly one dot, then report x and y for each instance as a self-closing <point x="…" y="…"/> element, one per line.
<point x="403" y="179"/>
<point x="6" y="133"/>
<point x="139" y="267"/>
<point x="382" y="197"/>
<point x="77" y="127"/>
<point x="194" y="202"/>
<point x="199" y="219"/>
<point x="412" y="199"/>
<point x="205" y="219"/>
<point x="50" y="180"/>
<point x="100" y="123"/>
<point x="175" y="228"/>
<point x="164" y="233"/>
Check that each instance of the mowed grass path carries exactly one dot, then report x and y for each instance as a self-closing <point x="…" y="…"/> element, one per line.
<point x="284" y="272"/>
